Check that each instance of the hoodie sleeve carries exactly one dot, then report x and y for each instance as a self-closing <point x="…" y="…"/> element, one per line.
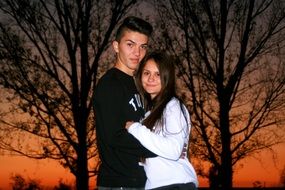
<point x="169" y="141"/>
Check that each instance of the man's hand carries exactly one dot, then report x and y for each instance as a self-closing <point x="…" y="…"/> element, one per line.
<point x="128" y="124"/>
<point x="184" y="151"/>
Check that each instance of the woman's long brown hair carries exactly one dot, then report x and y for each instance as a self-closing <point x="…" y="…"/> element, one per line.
<point x="165" y="64"/>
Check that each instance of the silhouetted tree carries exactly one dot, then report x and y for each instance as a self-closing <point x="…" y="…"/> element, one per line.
<point x="282" y="177"/>
<point x="50" y="52"/>
<point x="229" y="56"/>
<point x="19" y="183"/>
<point x="62" y="186"/>
<point x="257" y="185"/>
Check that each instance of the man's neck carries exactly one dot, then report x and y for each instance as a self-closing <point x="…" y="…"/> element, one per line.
<point x="124" y="69"/>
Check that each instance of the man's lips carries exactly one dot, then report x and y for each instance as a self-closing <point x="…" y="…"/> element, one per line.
<point x="135" y="60"/>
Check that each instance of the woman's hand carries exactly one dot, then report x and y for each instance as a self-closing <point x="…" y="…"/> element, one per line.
<point x="128" y="124"/>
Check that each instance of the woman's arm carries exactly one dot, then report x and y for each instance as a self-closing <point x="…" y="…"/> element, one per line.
<point x="170" y="142"/>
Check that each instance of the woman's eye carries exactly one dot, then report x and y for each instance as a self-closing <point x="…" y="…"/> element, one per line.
<point x="145" y="73"/>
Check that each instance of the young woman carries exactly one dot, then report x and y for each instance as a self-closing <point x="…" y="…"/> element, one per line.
<point x="166" y="127"/>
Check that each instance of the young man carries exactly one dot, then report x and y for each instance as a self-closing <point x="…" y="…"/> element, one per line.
<point x="116" y="101"/>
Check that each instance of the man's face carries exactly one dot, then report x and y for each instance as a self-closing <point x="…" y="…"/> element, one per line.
<point x="130" y="51"/>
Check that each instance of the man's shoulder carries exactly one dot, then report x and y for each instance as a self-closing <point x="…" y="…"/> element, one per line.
<point x="108" y="87"/>
<point x="108" y="74"/>
<point x="115" y="77"/>
<point x="109" y="78"/>
<point x="110" y="84"/>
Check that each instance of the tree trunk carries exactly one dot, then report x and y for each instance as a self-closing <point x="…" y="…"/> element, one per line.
<point x="226" y="168"/>
<point x="82" y="172"/>
<point x="214" y="182"/>
<point x="82" y="177"/>
<point x="225" y="171"/>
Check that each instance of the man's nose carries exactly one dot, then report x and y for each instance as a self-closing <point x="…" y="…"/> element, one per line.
<point x="137" y="51"/>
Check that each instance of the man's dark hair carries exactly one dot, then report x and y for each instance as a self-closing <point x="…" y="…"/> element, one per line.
<point x="134" y="24"/>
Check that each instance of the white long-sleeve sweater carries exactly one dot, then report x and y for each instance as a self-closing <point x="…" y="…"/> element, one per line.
<point x="167" y="168"/>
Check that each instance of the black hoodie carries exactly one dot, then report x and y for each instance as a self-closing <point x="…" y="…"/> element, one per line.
<point x="117" y="101"/>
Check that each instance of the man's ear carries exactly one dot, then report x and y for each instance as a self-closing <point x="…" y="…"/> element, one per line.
<point x="116" y="46"/>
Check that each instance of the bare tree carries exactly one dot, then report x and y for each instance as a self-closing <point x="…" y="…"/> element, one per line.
<point x="282" y="177"/>
<point x="229" y="58"/>
<point x="18" y="182"/>
<point x="50" y="52"/>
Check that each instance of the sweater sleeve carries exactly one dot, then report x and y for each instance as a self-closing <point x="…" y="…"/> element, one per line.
<point x="169" y="142"/>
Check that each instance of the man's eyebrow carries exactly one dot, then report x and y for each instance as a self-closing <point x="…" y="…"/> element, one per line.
<point x="128" y="40"/>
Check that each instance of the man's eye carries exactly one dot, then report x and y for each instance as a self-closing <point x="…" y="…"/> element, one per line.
<point x="130" y="45"/>
<point x="144" y="47"/>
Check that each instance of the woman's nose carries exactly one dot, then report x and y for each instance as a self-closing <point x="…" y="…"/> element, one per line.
<point x="151" y="77"/>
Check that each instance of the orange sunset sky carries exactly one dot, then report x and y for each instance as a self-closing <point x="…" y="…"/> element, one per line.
<point x="48" y="172"/>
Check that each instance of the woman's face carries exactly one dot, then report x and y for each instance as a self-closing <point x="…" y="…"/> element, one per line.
<point x="151" y="78"/>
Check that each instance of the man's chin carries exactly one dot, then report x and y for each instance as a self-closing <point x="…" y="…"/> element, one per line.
<point x="135" y="66"/>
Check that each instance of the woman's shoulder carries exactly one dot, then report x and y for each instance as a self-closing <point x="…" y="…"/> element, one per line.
<point x="173" y="102"/>
<point x="175" y="105"/>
